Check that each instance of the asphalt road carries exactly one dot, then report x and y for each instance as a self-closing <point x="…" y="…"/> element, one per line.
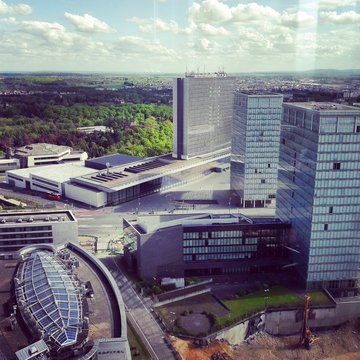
<point x="139" y="314"/>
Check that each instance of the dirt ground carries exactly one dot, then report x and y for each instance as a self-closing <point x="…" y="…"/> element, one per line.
<point x="340" y="344"/>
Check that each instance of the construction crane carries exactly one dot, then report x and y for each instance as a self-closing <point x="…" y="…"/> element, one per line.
<point x="306" y="337"/>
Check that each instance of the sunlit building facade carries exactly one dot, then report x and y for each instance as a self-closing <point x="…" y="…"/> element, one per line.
<point x="202" y="108"/>
<point x="255" y="147"/>
<point x="319" y="192"/>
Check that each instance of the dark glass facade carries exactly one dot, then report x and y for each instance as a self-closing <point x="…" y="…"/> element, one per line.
<point x="319" y="182"/>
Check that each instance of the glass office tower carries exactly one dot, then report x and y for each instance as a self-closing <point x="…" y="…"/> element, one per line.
<point x="202" y="108"/>
<point x="319" y="192"/>
<point x="255" y="147"/>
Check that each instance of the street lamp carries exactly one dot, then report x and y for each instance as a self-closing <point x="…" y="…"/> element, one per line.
<point x="266" y="297"/>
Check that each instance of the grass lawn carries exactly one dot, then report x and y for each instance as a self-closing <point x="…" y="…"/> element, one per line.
<point x="277" y="296"/>
<point x="319" y="298"/>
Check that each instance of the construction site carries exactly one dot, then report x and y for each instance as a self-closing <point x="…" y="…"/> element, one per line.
<point x="340" y="344"/>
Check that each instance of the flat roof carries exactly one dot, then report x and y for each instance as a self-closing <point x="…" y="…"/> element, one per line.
<point x="148" y="224"/>
<point x="57" y="173"/>
<point x="323" y="106"/>
<point x="30" y="217"/>
<point x="258" y="93"/>
<point x="41" y="149"/>
<point x="120" y="177"/>
<point x="113" y="160"/>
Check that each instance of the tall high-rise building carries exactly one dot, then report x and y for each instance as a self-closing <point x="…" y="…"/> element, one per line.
<point x="319" y="192"/>
<point x="202" y="108"/>
<point x="255" y="147"/>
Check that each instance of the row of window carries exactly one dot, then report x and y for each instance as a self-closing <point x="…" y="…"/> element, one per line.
<point x="339" y="239"/>
<point x="336" y="226"/>
<point x="340" y="251"/>
<point x="202" y="257"/>
<point x="213" y="234"/>
<point x="25" y="228"/>
<point x="9" y="244"/>
<point x="219" y="249"/>
<point x="25" y="236"/>
<point x="339" y="138"/>
<point x="332" y="275"/>
<point x="24" y="242"/>
<point x="334" y="266"/>
<point x="333" y="257"/>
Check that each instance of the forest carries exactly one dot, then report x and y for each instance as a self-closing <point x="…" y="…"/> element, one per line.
<point x="43" y="109"/>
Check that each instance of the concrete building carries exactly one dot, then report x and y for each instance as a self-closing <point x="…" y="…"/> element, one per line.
<point x="8" y="164"/>
<point x="255" y="148"/>
<point x="19" y="229"/>
<point x="46" y="154"/>
<point x="47" y="179"/>
<point x="202" y="112"/>
<point x="319" y="192"/>
<point x="69" y="305"/>
<point x="126" y="178"/>
<point x="180" y="246"/>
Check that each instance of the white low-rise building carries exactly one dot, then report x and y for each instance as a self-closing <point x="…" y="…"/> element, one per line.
<point x="47" y="154"/>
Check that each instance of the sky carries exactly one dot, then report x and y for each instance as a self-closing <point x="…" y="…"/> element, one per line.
<point x="174" y="36"/>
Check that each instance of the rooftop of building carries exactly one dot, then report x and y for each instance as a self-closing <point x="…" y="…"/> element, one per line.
<point x="218" y="74"/>
<point x="102" y="312"/>
<point x="123" y="176"/>
<point x="323" y="106"/>
<point x="56" y="173"/>
<point x="112" y="160"/>
<point x="42" y="149"/>
<point x="257" y="93"/>
<point x="35" y="217"/>
<point x="151" y="223"/>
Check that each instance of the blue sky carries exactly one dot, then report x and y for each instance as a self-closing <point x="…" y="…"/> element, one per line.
<point x="174" y="35"/>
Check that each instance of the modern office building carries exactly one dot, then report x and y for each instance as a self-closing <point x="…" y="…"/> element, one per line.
<point x="255" y="147"/>
<point x="19" y="229"/>
<point x="319" y="192"/>
<point x="178" y="246"/>
<point x="202" y="113"/>
<point x="46" y="154"/>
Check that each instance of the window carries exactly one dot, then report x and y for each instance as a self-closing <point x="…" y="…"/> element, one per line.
<point x="336" y="166"/>
<point x="331" y="210"/>
<point x="283" y="141"/>
<point x="358" y="128"/>
<point x="269" y="165"/>
<point x="326" y="227"/>
<point x="263" y="181"/>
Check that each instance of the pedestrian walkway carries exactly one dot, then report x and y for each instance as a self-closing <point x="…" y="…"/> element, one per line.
<point x="140" y="316"/>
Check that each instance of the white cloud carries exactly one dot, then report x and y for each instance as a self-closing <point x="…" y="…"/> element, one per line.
<point x="299" y="18"/>
<point x="215" y="11"/>
<point x="333" y="4"/>
<point x="153" y="25"/>
<point x="20" y="9"/>
<point x="88" y="23"/>
<point x="211" y="30"/>
<point x="210" y="11"/>
<point x="254" y="11"/>
<point x="345" y="18"/>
